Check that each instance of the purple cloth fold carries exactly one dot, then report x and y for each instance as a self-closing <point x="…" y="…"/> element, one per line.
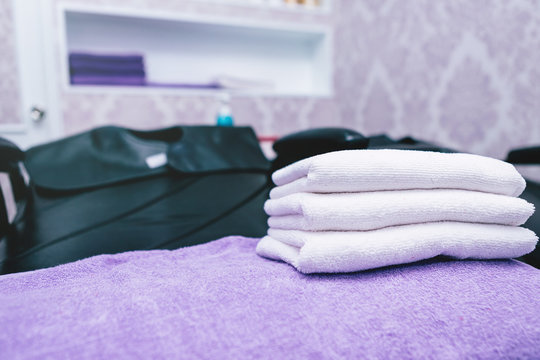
<point x="111" y="72"/>
<point x="107" y="58"/>
<point x="184" y="85"/>
<point x="81" y="65"/>
<point x="108" y="80"/>
<point x="222" y="301"/>
<point x="94" y="69"/>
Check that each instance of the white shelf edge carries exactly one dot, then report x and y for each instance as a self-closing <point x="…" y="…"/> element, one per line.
<point x="192" y="17"/>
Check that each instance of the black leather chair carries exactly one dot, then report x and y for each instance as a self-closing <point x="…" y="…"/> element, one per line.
<point x="114" y="189"/>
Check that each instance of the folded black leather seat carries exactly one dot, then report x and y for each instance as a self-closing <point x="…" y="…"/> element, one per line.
<point x="113" y="189"/>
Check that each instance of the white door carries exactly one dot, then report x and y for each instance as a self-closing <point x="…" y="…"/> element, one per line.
<point x="34" y="54"/>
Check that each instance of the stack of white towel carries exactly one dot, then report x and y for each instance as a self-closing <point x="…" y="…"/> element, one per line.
<point x="361" y="209"/>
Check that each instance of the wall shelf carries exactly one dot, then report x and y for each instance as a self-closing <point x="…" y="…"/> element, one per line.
<point x="190" y="48"/>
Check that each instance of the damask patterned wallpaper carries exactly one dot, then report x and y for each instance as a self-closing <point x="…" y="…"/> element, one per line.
<point x="463" y="73"/>
<point x="460" y="72"/>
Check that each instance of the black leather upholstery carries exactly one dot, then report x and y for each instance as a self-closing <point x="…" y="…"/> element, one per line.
<point x="94" y="193"/>
<point x="304" y="144"/>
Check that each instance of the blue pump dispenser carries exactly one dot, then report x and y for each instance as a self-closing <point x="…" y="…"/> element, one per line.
<point x="224" y="116"/>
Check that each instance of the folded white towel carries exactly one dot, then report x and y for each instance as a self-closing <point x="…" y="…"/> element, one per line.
<point x="378" y="209"/>
<point x="330" y="252"/>
<point x="373" y="170"/>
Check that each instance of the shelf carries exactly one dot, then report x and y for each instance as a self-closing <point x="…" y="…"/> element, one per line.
<point x="184" y="48"/>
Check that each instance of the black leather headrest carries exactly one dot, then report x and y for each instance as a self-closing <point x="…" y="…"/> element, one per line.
<point x="528" y="155"/>
<point x="304" y="144"/>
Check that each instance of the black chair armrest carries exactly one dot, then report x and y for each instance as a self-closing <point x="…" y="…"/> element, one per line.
<point x="10" y="158"/>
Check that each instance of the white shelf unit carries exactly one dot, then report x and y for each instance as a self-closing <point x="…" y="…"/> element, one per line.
<point x="192" y="48"/>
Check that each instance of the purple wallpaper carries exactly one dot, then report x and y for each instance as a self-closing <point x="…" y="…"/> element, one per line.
<point x="463" y="73"/>
<point x="9" y="82"/>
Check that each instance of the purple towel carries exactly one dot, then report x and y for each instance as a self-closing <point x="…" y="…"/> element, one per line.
<point x="94" y="69"/>
<point x="221" y="301"/>
<point x="106" y="72"/>
<point x="108" y="66"/>
<point x="107" y="58"/>
<point x="108" y="80"/>
<point x="201" y="86"/>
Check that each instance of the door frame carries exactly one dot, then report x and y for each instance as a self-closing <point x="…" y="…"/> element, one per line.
<point x="35" y="50"/>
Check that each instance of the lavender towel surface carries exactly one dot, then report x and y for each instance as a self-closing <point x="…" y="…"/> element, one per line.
<point x="222" y="301"/>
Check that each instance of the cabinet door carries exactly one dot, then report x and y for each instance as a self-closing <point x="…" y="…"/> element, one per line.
<point x="34" y="119"/>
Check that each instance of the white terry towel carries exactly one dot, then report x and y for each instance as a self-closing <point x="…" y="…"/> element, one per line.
<point x="331" y="252"/>
<point x="378" y="209"/>
<point x="374" y="170"/>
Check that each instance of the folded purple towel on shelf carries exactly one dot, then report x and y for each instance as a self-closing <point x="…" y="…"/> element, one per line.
<point x="90" y="71"/>
<point x="106" y="69"/>
<point x="221" y="301"/>
<point x="80" y="65"/>
<point x="107" y="58"/>
<point x="107" y="80"/>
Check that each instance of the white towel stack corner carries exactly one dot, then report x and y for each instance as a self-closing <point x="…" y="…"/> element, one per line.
<point x="355" y="210"/>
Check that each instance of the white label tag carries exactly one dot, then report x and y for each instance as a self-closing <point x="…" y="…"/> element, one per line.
<point x="7" y="191"/>
<point x="24" y="173"/>
<point x="157" y="160"/>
